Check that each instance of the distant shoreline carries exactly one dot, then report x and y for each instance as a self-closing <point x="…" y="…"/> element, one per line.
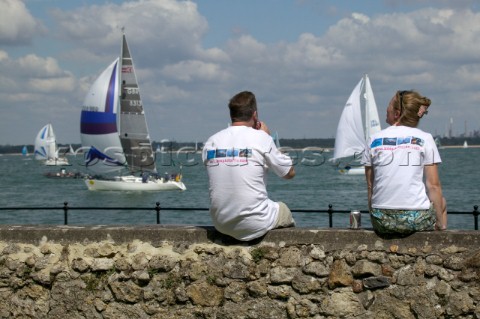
<point x="311" y="148"/>
<point x="458" y="146"/>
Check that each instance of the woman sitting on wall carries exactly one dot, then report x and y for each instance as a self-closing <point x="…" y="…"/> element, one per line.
<point x="396" y="160"/>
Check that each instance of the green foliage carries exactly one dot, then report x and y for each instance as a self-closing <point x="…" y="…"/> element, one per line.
<point x="96" y="280"/>
<point x="258" y="254"/>
<point x="171" y="281"/>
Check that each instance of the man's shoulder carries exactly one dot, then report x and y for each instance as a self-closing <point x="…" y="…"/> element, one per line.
<point x="216" y="135"/>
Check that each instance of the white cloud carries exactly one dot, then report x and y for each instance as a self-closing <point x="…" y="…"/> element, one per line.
<point x="65" y="84"/>
<point x="247" y="48"/>
<point x="35" y="73"/>
<point x="195" y="70"/>
<point x="17" y="26"/>
<point x="38" y="66"/>
<point x="165" y="30"/>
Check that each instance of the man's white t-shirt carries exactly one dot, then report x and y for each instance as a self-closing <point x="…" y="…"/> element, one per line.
<point x="398" y="155"/>
<point x="237" y="161"/>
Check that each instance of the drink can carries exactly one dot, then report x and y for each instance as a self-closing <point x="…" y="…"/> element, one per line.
<point x="355" y="219"/>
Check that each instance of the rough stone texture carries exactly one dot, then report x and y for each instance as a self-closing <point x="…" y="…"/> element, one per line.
<point x="194" y="272"/>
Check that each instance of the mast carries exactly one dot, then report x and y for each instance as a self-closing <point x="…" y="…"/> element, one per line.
<point x="367" y="113"/>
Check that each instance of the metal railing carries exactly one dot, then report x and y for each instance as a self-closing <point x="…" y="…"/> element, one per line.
<point x="330" y="211"/>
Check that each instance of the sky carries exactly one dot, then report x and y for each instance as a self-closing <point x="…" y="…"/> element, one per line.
<point x="301" y="58"/>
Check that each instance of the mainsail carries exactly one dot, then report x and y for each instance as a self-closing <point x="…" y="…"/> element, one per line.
<point x="352" y="135"/>
<point x="133" y="124"/>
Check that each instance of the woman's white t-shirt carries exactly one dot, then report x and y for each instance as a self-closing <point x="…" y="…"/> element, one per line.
<point x="398" y="155"/>
<point x="237" y="161"/>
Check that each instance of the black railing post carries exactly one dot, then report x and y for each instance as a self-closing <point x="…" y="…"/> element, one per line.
<point x="65" y="213"/>
<point x="475" y="216"/>
<point x="157" y="209"/>
<point x="330" y="215"/>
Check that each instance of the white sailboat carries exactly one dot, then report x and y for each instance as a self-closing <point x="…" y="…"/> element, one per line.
<point x="114" y="129"/>
<point x="351" y="137"/>
<point x="46" y="148"/>
<point x="465" y="144"/>
<point x="276" y="139"/>
<point x="70" y="151"/>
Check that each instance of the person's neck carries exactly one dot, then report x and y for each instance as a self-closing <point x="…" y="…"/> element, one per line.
<point x="243" y="123"/>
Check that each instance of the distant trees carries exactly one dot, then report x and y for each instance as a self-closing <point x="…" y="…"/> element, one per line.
<point x="284" y="142"/>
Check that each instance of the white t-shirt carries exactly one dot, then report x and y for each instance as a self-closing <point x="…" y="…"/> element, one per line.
<point x="237" y="160"/>
<point x="398" y="155"/>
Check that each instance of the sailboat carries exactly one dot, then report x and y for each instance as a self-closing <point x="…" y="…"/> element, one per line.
<point x="465" y="144"/>
<point x="114" y="129"/>
<point x="352" y="135"/>
<point x="25" y="151"/>
<point x="276" y="139"/>
<point x="46" y="148"/>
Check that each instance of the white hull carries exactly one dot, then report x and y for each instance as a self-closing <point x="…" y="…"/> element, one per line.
<point x="133" y="183"/>
<point x="358" y="170"/>
<point x="57" y="162"/>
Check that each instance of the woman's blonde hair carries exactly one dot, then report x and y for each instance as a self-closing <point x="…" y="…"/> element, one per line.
<point x="409" y="104"/>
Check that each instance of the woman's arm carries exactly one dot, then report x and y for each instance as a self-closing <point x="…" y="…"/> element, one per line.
<point x="435" y="195"/>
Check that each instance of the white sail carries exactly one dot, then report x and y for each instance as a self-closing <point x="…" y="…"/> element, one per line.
<point x="372" y="121"/>
<point x="276" y="139"/>
<point x="45" y="144"/>
<point x="352" y="135"/>
<point x="350" y="138"/>
<point x="98" y="124"/>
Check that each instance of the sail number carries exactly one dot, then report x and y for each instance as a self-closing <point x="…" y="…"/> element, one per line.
<point x="131" y="90"/>
<point x="135" y="103"/>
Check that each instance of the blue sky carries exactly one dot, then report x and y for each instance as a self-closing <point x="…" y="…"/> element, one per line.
<point x="302" y="59"/>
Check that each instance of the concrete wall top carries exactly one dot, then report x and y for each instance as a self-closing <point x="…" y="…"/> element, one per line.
<point x="332" y="239"/>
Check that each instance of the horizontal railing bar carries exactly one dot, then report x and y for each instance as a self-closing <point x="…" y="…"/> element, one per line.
<point x="187" y="209"/>
<point x="158" y="209"/>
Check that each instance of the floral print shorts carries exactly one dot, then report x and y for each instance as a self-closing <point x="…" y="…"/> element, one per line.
<point x="393" y="221"/>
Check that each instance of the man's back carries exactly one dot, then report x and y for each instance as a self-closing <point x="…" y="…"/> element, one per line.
<point x="237" y="160"/>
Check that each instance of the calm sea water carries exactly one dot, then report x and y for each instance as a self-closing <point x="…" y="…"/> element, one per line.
<point x="316" y="185"/>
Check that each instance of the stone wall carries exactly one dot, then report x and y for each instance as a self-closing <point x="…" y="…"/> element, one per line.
<point x="194" y="272"/>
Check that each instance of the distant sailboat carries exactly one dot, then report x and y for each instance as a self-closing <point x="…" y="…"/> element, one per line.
<point x="465" y="144"/>
<point x="276" y="139"/>
<point x="71" y="151"/>
<point x="25" y="150"/>
<point x="352" y="135"/>
<point x="46" y="148"/>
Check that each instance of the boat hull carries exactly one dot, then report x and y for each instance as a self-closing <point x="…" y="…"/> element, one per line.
<point x="57" y="162"/>
<point x="133" y="183"/>
<point x="359" y="170"/>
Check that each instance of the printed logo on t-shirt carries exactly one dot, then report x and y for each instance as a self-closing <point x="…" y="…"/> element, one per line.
<point x="397" y="141"/>
<point x="232" y="155"/>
